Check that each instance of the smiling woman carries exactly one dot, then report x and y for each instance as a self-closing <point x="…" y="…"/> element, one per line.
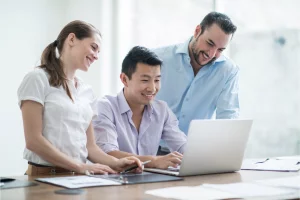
<point x="58" y="107"/>
<point x="78" y="46"/>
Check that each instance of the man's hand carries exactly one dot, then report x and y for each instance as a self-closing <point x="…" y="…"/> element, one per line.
<point x="163" y="162"/>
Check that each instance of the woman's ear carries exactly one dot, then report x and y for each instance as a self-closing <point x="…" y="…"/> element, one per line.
<point x="71" y="39"/>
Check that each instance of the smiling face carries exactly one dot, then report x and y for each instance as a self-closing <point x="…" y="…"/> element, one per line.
<point x="84" y="52"/>
<point x="144" y="84"/>
<point x="208" y="46"/>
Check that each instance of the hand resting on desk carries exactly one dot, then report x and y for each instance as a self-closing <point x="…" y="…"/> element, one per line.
<point x="163" y="162"/>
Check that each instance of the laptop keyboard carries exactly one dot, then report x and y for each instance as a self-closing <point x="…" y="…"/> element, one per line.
<point x="174" y="169"/>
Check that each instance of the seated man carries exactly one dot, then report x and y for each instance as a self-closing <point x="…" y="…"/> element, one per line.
<point x="133" y="122"/>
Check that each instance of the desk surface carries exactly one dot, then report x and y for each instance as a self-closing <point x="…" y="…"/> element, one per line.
<point x="132" y="192"/>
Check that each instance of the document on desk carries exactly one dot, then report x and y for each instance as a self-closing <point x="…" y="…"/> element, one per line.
<point x="244" y="190"/>
<point x="290" y="182"/>
<point x="73" y="182"/>
<point x="191" y="193"/>
<point x="109" y="179"/>
<point x="273" y="164"/>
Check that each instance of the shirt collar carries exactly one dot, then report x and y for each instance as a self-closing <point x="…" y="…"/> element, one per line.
<point x="124" y="107"/>
<point x="183" y="48"/>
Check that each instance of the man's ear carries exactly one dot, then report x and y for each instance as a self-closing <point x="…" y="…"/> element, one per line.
<point x="197" y="31"/>
<point x="71" y="39"/>
<point x="124" y="79"/>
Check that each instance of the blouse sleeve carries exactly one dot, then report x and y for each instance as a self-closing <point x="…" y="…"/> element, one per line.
<point x="94" y="105"/>
<point x="33" y="87"/>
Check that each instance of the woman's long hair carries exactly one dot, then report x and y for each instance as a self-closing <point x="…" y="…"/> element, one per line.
<point x="52" y="64"/>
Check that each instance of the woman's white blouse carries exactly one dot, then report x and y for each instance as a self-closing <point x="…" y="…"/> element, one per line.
<point x="64" y="122"/>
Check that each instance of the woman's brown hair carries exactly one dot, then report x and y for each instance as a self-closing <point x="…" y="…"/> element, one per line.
<point x="52" y="64"/>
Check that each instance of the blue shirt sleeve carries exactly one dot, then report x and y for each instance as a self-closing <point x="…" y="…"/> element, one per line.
<point x="228" y="101"/>
<point x="172" y="135"/>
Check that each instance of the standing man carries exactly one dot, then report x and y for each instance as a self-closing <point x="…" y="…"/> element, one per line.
<point x="197" y="80"/>
<point x="133" y="122"/>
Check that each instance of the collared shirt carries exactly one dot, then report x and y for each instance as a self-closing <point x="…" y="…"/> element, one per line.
<point x="115" y="130"/>
<point x="213" y="89"/>
<point x="64" y="122"/>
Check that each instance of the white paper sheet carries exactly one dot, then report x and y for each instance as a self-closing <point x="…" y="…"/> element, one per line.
<point x="289" y="157"/>
<point x="250" y="189"/>
<point x="78" y="181"/>
<point x="191" y="193"/>
<point x="272" y="164"/>
<point x="291" y="182"/>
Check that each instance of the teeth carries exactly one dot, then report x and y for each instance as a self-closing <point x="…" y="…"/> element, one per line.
<point x="148" y="95"/>
<point x="205" y="56"/>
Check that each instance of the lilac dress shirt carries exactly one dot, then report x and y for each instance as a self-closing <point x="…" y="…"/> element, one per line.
<point x="115" y="130"/>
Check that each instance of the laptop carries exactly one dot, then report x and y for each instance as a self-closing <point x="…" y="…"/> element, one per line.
<point x="213" y="146"/>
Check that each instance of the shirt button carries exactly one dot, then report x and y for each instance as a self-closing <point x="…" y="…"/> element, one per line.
<point x="187" y="99"/>
<point x="183" y="116"/>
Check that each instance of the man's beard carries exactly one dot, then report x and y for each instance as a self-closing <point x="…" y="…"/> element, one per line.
<point x="197" y="54"/>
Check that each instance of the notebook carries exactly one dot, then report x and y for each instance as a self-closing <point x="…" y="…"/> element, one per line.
<point x="213" y="146"/>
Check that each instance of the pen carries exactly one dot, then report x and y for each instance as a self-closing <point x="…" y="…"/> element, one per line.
<point x="134" y="167"/>
<point x="263" y="161"/>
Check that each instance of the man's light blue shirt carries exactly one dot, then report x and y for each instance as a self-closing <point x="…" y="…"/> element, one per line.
<point x="115" y="131"/>
<point x="213" y="89"/>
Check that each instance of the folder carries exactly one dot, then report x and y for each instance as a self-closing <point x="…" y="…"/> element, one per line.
<point x="73" y="182"/>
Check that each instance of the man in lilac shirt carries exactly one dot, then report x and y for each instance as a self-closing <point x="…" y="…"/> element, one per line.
<point x="133" y="122"/>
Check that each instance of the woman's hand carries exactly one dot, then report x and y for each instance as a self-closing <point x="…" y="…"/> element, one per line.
<point x="96" y="169"/>
<point x="124" y="163"/>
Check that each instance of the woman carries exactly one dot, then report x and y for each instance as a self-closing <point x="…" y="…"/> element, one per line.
<point x="58" y="107"/>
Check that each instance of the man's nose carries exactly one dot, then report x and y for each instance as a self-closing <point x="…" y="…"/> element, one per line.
<point x="213" y="52"/>
<point x="152" y="87"/>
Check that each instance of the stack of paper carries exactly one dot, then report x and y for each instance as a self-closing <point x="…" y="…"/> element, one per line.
<point x="290" y="182"/>
<point x="221" y="191"/>
<point x="280" y="187"/>
<point x="250" y="189"/>
<point x="191" y="193"/>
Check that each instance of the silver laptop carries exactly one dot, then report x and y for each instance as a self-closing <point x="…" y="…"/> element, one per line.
<point x="213" y="146"/>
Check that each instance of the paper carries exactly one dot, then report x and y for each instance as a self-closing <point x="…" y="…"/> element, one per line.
<point x="289" y="158"/>
<point x="191" y="193"/>
<point x="250" y="189"/>
<point x="291" y="182"/>
<point x="78" y="181"/>
<point x="273" y="164"/>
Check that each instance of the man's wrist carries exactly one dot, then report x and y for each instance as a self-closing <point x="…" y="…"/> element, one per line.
<point x="153" y="162"/>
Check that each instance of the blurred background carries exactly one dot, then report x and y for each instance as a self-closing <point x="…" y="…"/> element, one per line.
<point x="266" y="47"/>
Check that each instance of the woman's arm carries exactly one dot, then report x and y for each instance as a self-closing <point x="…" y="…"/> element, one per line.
<point x="32" y="113"/>
<point x="96" y="155"/>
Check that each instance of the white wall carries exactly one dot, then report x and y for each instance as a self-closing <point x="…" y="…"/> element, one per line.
<point x="267" y="48"/>
<point x="26" y="28"/>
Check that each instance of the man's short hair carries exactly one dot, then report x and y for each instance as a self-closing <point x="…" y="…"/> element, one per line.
<point x="222" y="20"/>
<point x="136" y="55"/>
